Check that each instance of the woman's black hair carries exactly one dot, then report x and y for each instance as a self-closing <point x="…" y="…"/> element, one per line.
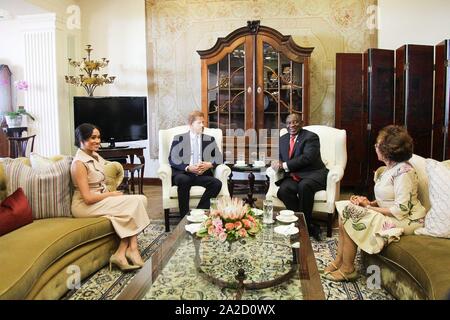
<point x="84" y="132"/>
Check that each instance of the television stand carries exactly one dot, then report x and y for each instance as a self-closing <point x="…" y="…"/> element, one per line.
<point x="130" y="167"/>
<point x="114" y="147"/>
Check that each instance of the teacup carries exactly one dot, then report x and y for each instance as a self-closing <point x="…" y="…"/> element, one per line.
<point x="287" y="213"/>
<point x="259" y="163"/>
<point x="197" y="212"/>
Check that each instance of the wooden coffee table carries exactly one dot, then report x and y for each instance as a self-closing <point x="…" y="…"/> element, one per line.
<point x="306" y="284"/>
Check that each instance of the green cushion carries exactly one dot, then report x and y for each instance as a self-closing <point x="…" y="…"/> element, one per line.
<point x="28" y="252"/>
<point x="427" y="259"/>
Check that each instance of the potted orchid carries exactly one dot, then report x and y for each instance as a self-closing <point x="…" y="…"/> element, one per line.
<point x="232" y="220"/>
<point x="16" y="118"/>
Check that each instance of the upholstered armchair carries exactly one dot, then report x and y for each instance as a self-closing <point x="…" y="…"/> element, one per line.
<point x="169" y="191"/>
<point x="333" y="149"/>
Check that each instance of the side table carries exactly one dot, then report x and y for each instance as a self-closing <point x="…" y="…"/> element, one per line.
<point x="251" y="180"/>
<point x="130" y="166"/>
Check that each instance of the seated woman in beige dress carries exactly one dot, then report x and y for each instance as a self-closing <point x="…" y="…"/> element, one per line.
<point x="128" y="213"/>
<point x="370" y="225"/>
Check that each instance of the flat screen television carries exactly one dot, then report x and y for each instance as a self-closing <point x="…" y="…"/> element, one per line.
<point x="120" y="119"/>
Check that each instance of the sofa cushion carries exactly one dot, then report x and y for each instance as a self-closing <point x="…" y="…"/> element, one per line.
<point x="424" y="258"/>
<point x="15" y="212"/>
<point x="27" y="252"/>
<point x="437" y="220"/>
<point x="40" y="163"/>
<point x="48" y="191"/>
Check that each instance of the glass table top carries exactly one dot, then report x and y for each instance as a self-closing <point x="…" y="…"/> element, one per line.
<point x="274" y="266"/>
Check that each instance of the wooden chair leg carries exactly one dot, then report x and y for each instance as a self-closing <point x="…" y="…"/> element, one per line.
<point x="330" y="225"/>
<point x="166" y="219"/>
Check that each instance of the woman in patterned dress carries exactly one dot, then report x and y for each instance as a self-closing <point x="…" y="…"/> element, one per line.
<point x="127" y="213"/>
<point x="370" y="225"/>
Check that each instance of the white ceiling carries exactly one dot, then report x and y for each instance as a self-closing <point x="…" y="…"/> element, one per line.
<point x="11" y="8"/>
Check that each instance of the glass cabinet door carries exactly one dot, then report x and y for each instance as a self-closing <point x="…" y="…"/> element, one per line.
<point x="226" y="91"/>
<point x="283" y="88"/>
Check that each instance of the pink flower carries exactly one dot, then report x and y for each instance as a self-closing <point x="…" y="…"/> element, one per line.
<point x="222" y="237"/>
<point x="388" y="225"/>
<point x="238" y="225"/>
<point x="21" y="85"/>
<point x="218" y="230"/>
<point x="217" y="222"/>
<point x="229" y="226"/>
<point x="242" y="233"/>
<point x="211" y="230"/>
<point x="247" y="223"/>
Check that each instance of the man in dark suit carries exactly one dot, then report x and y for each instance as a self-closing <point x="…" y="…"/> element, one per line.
<point x="304" y="171"/>
<point x="192" y="157"/>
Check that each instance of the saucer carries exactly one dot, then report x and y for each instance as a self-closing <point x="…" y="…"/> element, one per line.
<point x="199" y="211"/>
<point x="286" y="230"/>
<point x="240" y="165"/>
<point x="285" y="219"/>
<point x="196" y="218"/>
<point x="193" y="228"/>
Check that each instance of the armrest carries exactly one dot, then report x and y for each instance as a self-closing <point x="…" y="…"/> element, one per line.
<point x="335" y="175"/>
<point x="222" y="172"/>
<point x="113" y="175"/>
<point x="165" y="174"/>
<point x="274" y="176"/>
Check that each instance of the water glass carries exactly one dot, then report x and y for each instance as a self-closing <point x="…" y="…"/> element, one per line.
<point x="267" y="211"/>
<point x="213" y="204"/>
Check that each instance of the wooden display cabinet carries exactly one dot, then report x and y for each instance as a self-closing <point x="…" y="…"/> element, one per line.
<point x="252" y="79"/>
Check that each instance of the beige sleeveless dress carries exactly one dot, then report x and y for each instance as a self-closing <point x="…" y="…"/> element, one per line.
<point x="128" y="213"/>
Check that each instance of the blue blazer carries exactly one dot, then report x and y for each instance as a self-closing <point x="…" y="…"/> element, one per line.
<point x="180" y="153"/>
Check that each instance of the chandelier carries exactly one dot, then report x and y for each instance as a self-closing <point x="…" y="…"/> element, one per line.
<point x="92" y="79"/>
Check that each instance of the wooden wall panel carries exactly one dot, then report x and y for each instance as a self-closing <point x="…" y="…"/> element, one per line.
<point x="379" y="101"/>
<point x="351" y="116"/>
<point x="441" y="138"/>
<point x="415" y="94"/>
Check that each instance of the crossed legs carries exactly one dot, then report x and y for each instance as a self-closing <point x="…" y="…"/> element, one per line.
<point x="128" y="248"/>
<point x="345" y="257"/>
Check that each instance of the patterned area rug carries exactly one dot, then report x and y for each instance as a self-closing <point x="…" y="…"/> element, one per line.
<point x="105" y="285"/>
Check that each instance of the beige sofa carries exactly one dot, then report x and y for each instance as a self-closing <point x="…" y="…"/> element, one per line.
<point x="40" y="260"/>
<point x="416" y="267"/>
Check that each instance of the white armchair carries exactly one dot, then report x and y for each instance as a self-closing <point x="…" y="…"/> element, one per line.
<point x="169" y="192"/>
<point x="333" y="149"/>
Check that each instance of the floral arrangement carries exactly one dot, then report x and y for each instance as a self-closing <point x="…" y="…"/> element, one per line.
<point x="231" y="220"/>
<point x="21" y="85"/>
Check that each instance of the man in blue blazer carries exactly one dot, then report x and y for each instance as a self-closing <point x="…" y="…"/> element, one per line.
<point x="304" y="171"/>
<point x="192" y="157"/>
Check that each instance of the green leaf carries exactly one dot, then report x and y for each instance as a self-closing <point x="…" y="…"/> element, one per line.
<point x="359" y="226"/>
<point x="403" y="207"/>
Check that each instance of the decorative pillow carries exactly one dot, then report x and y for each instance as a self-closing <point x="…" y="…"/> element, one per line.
<point x="41" y="163"/>
<point x="437" y="220"/>
<point x="48" y="190"/>
<point x="15" y="212"/>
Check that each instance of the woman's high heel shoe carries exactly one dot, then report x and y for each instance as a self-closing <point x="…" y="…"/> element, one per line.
<point x="122" y="266"/>
<point x="135" y="263"/>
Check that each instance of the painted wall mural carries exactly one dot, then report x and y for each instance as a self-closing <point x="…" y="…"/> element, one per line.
<point x="177" y="29"/>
